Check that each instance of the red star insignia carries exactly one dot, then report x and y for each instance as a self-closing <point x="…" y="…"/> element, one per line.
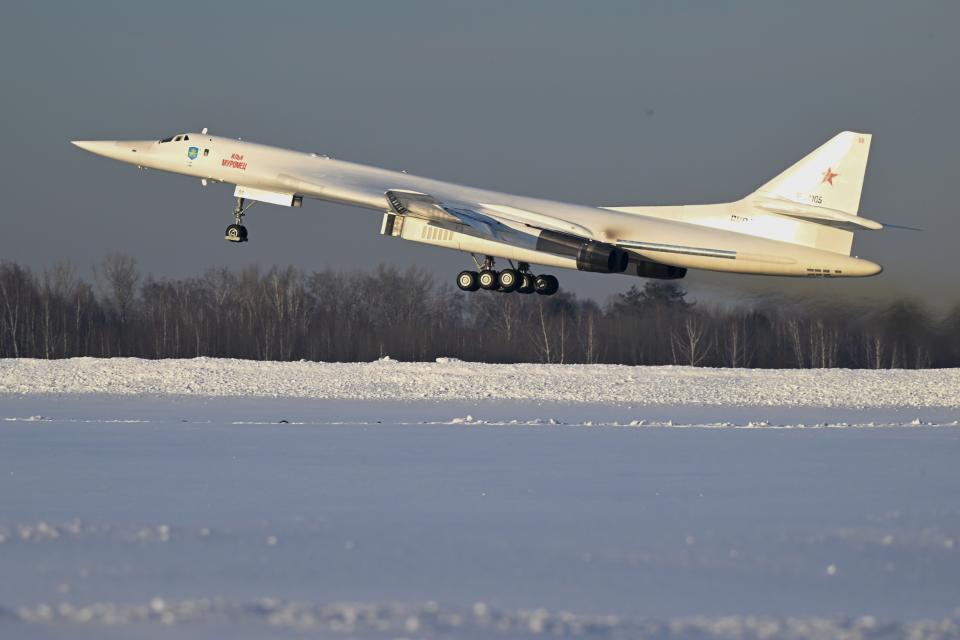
<point x="828" y="176"/>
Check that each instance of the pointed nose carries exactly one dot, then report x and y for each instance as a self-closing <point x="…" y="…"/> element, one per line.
<point x="99" y="147"/>
<point x="123" y="150"/>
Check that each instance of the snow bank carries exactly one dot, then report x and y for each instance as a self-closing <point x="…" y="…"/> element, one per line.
<point x="456" y="380"/>
<point x="480" y="621"/>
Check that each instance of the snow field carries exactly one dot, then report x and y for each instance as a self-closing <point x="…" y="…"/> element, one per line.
<point x="465" y="381"/>
<point x="478" y="621"/>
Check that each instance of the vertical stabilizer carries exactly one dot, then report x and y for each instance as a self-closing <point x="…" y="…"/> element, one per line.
<point x="831" y="176"/>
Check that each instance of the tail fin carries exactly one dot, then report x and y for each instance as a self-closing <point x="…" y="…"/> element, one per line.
<point x="814" y="203"/>
<point x="831" y="176"/>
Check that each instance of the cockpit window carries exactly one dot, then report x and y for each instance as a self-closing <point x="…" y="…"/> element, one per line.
<point x="178" y="139"/>
<point x="167" y="139"/>
<point x="185" y="138"/>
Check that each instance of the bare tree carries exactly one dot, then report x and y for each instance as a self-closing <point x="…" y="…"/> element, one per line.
<point x="283" y="313"/>
<point x="690" y="340"/>
<point x="117" y="275"/>
<point x="734" y="341"/>
<point x="14" y="287"/>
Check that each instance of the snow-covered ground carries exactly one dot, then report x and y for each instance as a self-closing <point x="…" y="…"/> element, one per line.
<point x="455" y="380"/>
<point x="211" y="499"/>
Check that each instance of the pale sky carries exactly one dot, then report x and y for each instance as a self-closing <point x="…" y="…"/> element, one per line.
<point x="606" y="103"/>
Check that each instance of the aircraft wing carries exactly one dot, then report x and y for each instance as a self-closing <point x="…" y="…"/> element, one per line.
<point x="459" y="212"/>
<point x="528" y="230"/>
<point x="496" y="222"/>
<point x="421" y="205"/>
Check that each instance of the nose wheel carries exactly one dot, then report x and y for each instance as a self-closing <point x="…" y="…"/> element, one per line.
<point x="236" y="232"/>
<point x="519" y="280"/>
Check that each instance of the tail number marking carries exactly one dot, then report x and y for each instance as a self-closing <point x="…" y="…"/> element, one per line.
<point x="812" y="197"/>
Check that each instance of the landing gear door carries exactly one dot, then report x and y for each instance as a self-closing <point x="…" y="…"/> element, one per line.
<point x="392" y="225"/>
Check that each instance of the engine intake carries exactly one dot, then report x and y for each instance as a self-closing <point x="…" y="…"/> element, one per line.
<point x="590" y="255"/>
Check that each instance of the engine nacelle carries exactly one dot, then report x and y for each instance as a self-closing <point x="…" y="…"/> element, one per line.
<point x="590" y="255"/>
<point x="659" y="271"/>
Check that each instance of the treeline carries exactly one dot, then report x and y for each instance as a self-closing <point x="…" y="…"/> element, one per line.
<point x="289" y="314"/>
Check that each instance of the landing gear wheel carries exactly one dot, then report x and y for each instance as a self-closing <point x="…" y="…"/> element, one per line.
<point x="488" y="279"/>
<point x="236" y="233"/>
<point x="508" y="280"/>
<point x="526" y="283"/>
<point x="546" y="285"/>
<point x="468" y="280"/>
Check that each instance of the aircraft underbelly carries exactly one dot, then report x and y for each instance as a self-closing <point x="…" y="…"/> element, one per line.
<point x="450" y="237"/>
<point x="669" y="242"/>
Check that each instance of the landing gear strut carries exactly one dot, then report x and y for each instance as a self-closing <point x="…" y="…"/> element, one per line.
<point x="517" y="279"/>
<point x="237" y="232"/>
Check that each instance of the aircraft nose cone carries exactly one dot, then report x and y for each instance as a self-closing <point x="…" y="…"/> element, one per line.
<point x="123" y="150"/>
<point x="93" y="146"/>
<point x="88" y="145"/>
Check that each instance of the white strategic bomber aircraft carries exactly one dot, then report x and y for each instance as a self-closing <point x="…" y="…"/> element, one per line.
<point x="800" y="223"/>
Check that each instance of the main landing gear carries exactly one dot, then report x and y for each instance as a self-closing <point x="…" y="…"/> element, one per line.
<point x="237" y="232"/>
<point x="508" y="280"/>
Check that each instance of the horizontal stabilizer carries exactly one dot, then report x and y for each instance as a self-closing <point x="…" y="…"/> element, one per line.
<point x="887" y="225"/>
<point x="819" y="215"/>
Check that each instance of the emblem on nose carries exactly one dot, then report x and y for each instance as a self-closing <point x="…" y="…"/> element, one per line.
<point x="193" y="152"/>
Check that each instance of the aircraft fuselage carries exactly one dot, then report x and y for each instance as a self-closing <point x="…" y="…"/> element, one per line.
<point x="650" y="235"/>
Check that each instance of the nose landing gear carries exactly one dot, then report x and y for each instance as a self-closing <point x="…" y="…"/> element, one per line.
<point x="508" y="280"/>
<point x="237" y="232"/>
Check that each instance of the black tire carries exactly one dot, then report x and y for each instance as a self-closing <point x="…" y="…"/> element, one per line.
<point x="508" y="280"/>
<point x="236" y="233"/>
<point x="468" y="280"/>
<point x="488" y="280"/>
<point x="547" y="285"/>
<point x="526" y="283"/>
